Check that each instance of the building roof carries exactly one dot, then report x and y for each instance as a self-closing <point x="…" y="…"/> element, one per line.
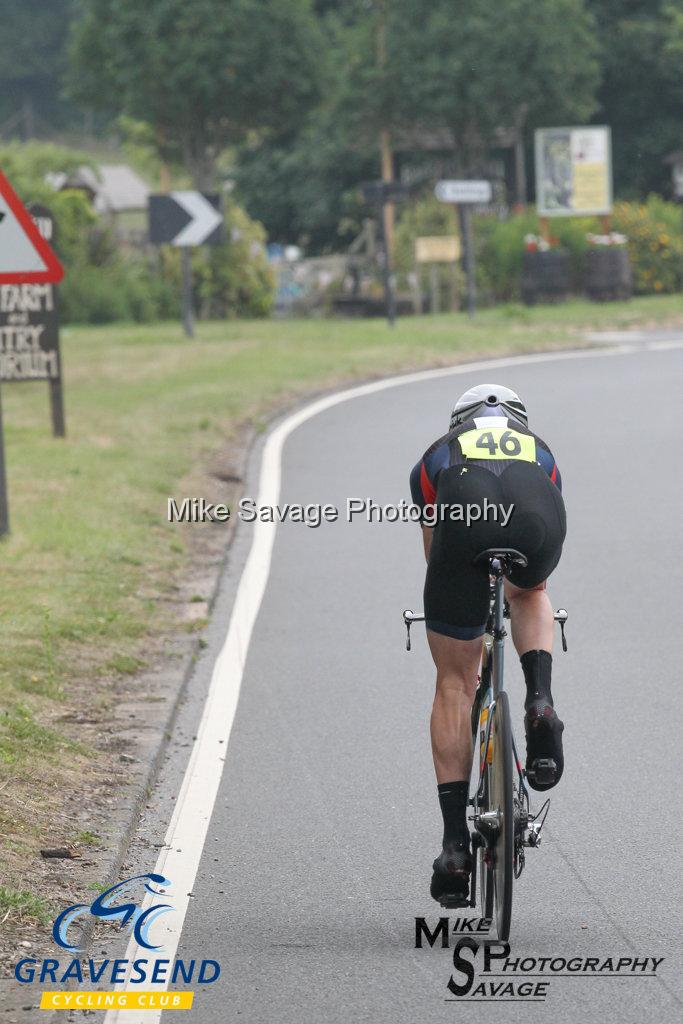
<point x="114" y="187"/>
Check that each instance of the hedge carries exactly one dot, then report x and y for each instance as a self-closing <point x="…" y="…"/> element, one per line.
<point x="654" y="230"/>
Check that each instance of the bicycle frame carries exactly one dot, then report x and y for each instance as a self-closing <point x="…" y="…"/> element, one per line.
<point x="488" y="690"/>
<point x="494" y="653"/>
<point x="487" y="823"/>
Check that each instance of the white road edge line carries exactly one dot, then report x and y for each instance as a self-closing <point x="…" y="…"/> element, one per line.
<point x="184" y="843"/>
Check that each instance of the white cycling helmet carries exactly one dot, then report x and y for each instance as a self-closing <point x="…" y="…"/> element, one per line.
<point x="483" y="399"/>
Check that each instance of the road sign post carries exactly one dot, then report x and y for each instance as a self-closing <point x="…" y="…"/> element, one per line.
<point x="185" y="219"/>
<point x="187" y="307"/>
<point x="379" y="194"/>
<point x="45" y="223"/>
<point x="4" y="505"/>
<point x="387" y="276"/>
<point x="465" y="194"/>
<point x="466" y="230"/>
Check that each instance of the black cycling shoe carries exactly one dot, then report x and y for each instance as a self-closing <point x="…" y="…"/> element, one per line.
<point x="451" y="879"/>
<point x="544" y="756"/>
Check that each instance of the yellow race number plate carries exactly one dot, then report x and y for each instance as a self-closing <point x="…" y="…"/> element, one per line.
<point x="498" y="443"/>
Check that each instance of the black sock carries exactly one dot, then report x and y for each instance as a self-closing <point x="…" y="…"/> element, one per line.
<point x="537" y="667"/>
<point x="453" y="797"/>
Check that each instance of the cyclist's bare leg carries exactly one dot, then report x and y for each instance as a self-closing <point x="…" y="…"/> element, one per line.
<point x="531" y="618"/>
<point x="457" y="664"/>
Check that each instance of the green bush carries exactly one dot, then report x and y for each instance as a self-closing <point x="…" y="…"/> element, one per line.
<point x="426" y="217"/>
<point x="75" y="226"/>
<point x="500" y="249"/>
<point x="26" y="164"/>
<point x="88" y="295"/>
<point x="655" y="243"/>
<point x="234" y="279"/>
<point x="126" y="289"/>
<point x="104" y="284"/>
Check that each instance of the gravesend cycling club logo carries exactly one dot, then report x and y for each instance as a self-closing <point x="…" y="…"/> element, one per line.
<point x="129" y="914"/>
<point x="134" y="906"/>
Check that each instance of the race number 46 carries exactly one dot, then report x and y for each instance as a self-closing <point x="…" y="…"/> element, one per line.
<point x="498" y="443"/>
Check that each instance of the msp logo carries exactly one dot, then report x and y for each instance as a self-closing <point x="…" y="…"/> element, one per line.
<point x="129" y="914"/>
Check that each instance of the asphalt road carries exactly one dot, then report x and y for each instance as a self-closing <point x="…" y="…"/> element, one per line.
<point x="318" y="856"/>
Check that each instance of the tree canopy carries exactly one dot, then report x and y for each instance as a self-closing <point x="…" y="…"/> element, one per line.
<point x="469" y="66"/>
<point x="641" y="94"/>
<point x="472" y="66"/>
<point x="203" y="74"/>
<point x="33" y="60"/>
<point x="296" y="92"/>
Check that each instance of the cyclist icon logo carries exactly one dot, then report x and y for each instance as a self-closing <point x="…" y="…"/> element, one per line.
<point x="137" y="919"/>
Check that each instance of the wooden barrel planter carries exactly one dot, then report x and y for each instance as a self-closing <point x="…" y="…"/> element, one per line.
<point x="608" y="276"/>
<point x="546" y="276"/>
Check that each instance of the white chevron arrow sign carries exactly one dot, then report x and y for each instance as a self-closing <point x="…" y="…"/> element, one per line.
<point x="205" y="218"/>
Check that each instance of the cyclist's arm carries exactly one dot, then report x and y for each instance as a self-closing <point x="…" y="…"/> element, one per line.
<point x="423" y="493"/>
<point x="546" y="460"/>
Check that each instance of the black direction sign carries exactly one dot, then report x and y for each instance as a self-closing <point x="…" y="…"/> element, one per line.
<point x="185" y="219"/>
<point x="384" y="191"/>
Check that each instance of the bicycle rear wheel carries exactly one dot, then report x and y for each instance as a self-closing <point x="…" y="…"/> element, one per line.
<point x="500" y="800"/>
<point x="484" y="858"/>
<point x="485" y="863"/>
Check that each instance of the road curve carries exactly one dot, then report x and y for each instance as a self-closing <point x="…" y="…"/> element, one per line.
<point x="317" y="859"/>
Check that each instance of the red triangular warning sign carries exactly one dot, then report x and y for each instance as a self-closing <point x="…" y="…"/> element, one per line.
<point x="25" y="256"/>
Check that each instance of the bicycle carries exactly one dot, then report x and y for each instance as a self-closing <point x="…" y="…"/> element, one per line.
<point x="504" y="825"/>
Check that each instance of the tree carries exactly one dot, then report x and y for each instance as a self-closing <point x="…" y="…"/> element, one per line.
<point x="303" y="182"/>
<point x="304" y="187"/>
<point x="203" y="74"/>
<point x="641" y="95"/>
<point x="473" y="66"/>
<point x="410" y="67"/>
<point x="32" y="61"/>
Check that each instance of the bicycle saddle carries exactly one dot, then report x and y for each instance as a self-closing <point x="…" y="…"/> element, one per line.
<point x="509" y="557"/>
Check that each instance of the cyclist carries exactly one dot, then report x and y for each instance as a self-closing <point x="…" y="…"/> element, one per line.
<point x="489" y="453"/>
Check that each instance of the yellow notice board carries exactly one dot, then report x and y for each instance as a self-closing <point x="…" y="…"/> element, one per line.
<point x="590" y="187"/>
<point x="437" y="249"/>
<point x="573" y="171"/>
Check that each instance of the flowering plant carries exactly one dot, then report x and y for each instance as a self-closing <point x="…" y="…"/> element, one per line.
<point x="536" y="243"/>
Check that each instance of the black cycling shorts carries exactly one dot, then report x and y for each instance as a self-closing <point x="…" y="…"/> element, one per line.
<point x="456" y="594"/>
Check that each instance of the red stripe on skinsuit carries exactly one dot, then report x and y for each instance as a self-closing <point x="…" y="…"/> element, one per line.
<point x="428" y="492"/>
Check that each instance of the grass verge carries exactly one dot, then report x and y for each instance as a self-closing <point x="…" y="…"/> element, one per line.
<point x="90" y="557"/>
<point x="23" y="906"/>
